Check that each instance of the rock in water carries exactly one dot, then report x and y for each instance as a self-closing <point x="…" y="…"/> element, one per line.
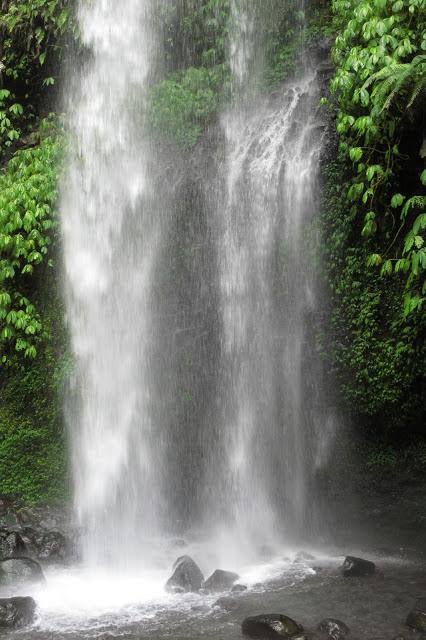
<point x="271" y="625"/>
<point x="20" y="570"/>
<point x="16" y="612"/>
<point x="335" y="629"/>
<point x="220" y="580"/>
<point x="417" y="618"/>
<point x="357" y="567"/>
<point x="238" y="588"/>
<point x="186" y="576"/>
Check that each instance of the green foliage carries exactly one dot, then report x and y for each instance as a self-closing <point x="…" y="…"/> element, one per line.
<point x="196" y="41"/>
<point x="379" y="86"/>
<point x="378" y="357"/>
<point x="382" y="457"/>
<point x="195" y="33"/>
<point x="28" y="191"/>
<point x="33" y="44"/>
<point x="33" y="448"/>
<point x="288" y="31"/>
<point x="181" y="105"/>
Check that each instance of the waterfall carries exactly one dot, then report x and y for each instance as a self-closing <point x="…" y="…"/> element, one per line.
<point x="233" y="330"/>
<point x="110" y="243"/>
<point x="275" y="424"/>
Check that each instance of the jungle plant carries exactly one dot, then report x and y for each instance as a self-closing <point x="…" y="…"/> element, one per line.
<point x="379" y="87"/>
<point x="28" y="190"/>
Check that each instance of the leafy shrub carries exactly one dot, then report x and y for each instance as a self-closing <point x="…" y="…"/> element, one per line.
<point x="28" y="191"/>
<point x="379" y="87"/>
<point x="34" y="35"/>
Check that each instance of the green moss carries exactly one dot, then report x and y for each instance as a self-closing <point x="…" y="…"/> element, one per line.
<point x="33" y="444"/>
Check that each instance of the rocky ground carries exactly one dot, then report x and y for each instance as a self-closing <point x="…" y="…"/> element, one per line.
<point x="385" y="519"/>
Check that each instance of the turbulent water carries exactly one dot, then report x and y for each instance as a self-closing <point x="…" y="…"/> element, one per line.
<point x="196" y="407"/>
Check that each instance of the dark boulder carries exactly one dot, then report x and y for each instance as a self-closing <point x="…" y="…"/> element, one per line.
<point x="271" y="625"/>
<point x="20" y="570"/>
<point x="220" y="580"/>
<point x="6" y="503"/>
<point x="186" y="576"/>
<point x="335" y="629"/>
<point x="53" y="547"/>
<point x="238" y="588"/>
<point x="357" y="567"/>
<point x="416" y="619"/>
<point x="16" y="612"/>
<point x="11" y="544"/>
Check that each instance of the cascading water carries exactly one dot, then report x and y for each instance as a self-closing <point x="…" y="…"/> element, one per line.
<point x="271" y="408"/>
<point x="239" y="473"/>
<point x="110" y="239"/>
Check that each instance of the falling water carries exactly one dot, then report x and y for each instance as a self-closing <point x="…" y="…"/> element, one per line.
<point x="111" y="239"/>
<point x="232" y="331"/>
<point x="270" y="405"/>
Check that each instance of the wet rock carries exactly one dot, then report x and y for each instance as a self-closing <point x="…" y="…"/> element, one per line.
<point x="11" y="544"/>
<point x="335" y="629"/>
<point x="16" y="612"/>
<point x="271" y="625"/>
<point x="20" y="570"/>
<point x="220" y="580"/>
<point x="416" y="619"/>
<point x="5" y="503"/>
<point x="226" y="603"/>
<point x="53" y="547"/>
<point x="186" y="576"/>
<point x="238" y="588"/>
<point x="357" y="567"/>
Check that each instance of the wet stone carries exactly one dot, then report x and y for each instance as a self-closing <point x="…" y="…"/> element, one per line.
<point x="357" y="567"/>
<point x="416" y="619"/>
<point x="238" y="588"/>
<point x="271" y="625"/>
<point x="186" y="576"/>
<point x="335" y="629"/>
<point x="53" y="547"/>
<point x="220" y="580"/>
<point x="11" y="544"/>
<point x="15" y="571"/>
<point x="16" y="612"/>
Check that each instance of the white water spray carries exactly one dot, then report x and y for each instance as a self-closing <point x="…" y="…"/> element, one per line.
<point x="110" y="242"/>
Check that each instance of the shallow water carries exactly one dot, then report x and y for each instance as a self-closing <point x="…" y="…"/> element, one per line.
<point x="77" y="603"/>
